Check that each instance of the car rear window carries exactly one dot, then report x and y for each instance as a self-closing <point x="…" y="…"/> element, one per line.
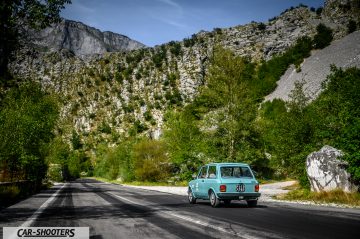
<point x="235" y="172"/>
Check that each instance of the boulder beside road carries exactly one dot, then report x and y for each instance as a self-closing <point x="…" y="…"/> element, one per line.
<point x="326" y="171"/>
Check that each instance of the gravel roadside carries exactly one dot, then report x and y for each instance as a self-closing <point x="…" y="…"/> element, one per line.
<point x="266" y="190"/>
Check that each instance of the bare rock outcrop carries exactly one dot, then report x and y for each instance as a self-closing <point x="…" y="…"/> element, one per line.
<point x="81" y="39"/>
<point x="327" y="172"/>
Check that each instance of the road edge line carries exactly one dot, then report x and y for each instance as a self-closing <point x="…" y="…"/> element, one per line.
<point x="29" y="221"/>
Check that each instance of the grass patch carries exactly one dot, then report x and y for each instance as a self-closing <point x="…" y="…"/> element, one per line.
<point x="104" y="180"/>
<point x="176" y="184"/>
<point x="139" y="183"/>
<point x="9" y="193"/>
<point x="293" y="186"/>
<point x="336" y="196"/>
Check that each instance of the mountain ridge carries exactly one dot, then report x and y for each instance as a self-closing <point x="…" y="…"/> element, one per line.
<point x="81" y="39"/>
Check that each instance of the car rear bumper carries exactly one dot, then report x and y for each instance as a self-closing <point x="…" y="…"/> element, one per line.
<point x="238" y="196"/>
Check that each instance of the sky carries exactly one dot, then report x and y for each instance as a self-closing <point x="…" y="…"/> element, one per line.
<point x="154" y="22"/>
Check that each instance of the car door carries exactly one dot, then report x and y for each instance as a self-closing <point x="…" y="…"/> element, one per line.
<point x="210" y="180"/>
<point x="196" y="185"/>
<point x="200" y="184"/>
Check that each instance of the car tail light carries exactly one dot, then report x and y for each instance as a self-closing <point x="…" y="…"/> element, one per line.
<point x="222" y="188"/>
<point x="257" y="187"/>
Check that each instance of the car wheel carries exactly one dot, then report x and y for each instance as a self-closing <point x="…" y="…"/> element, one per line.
<point x="227" y="202"/>
<point x="252" y="203"/>
<point x="214" y="201"/>
<point x="191" y="197"/>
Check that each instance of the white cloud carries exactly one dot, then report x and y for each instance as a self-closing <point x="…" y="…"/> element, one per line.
<point x="173" y="4"/>
<point x="173" y="15"/>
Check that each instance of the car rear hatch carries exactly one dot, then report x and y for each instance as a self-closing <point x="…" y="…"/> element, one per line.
<point x="238" y="179"/>
<point x="239" y="185"/>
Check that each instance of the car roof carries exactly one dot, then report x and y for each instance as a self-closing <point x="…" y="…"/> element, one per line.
<point x="227" y="164"/>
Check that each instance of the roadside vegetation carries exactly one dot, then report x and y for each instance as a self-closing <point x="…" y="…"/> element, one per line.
<point x="335" y="196"/>
<point x="28" y="114"/>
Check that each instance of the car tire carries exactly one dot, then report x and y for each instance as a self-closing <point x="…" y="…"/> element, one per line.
<point x="214" y="201"/>
<point x="227" y="202"/>
<point x="191" y="198"/>
<point x="252" y="203"/>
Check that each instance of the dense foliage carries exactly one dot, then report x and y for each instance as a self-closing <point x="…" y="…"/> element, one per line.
<point x="27" y="118"/>
<point x="293" y="130"/>
<point x="28" y="115"/>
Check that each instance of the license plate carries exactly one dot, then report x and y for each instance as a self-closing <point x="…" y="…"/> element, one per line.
<point x="241" y="197"/>
<point x="240" y="187"/>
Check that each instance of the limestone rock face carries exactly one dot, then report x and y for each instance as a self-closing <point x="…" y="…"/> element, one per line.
<point x="327" y="172"/>
<point x="81" y="39"/>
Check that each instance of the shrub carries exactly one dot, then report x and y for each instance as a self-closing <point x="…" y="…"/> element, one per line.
<point x="147" y="115"/>
<point x="8" y="194"/>
<point x="114" y="163"/>
<point x="75" y="140"/>
<point x="189" y="42"/>
<point x="323" y="36"/>
<point x="105" y="128"/>
<point x="151" y="162"/>
<point x="319" y="11"/>
<point x="118" y="77"/>
<point x="261" y="26"/>
<point x="351" y="26"/>
<point x="159" y="56"/>
<point x="175" y="48"/>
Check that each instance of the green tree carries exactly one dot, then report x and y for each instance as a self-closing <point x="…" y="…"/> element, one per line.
<point x="27" y="119"/>
<point x="184" y="142"/>
<point x="338" y="121"/>
<point x="59" y="152"/>
<point x="115" y="162"/>
<point x="288" y="132"/>
<point x="227" y="88"/>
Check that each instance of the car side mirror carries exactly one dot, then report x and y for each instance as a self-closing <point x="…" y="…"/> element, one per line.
<point x="194" y="176"/>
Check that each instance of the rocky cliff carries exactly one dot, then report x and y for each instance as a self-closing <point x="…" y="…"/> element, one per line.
<point x="105" y="96"/>
<point x="81" y="39"/>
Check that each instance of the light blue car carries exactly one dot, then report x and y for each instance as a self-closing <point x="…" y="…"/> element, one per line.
<point x="224" y="182"/>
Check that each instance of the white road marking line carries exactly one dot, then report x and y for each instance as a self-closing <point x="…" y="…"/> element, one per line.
<point x="41" y="209"/>
<point x="189" y="219"/>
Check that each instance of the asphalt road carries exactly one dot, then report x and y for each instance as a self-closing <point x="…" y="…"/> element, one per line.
<point x="113" y="211"/>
